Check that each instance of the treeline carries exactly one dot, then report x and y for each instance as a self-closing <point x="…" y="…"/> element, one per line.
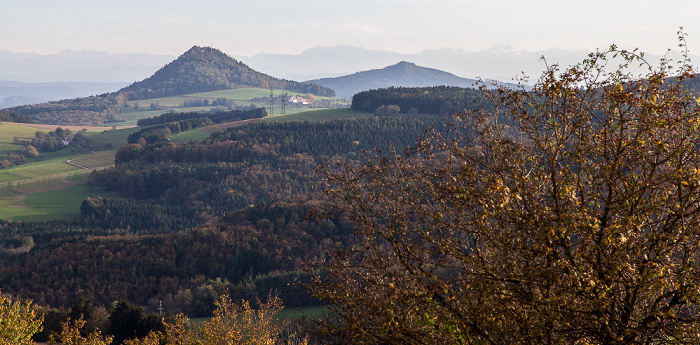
<point x="444" y="100"/>
<point x="85" y="111"/>
<point x="217" y="117"/>
<point x="204" y="69"/>
<point x="191" y="121"/>
<point x="162" y="132"/>
<point x="14" y="117"/>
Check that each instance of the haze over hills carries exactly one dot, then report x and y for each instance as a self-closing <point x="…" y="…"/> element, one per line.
<point x="500" y="62"/>
<point x="404" y="73"/>
<point x="79" y="66"/>
<point x="14" y="93"/>
<point x="30" y="78"/>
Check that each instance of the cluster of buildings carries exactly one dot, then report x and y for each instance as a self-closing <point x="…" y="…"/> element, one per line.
<point x="298" y="100"/>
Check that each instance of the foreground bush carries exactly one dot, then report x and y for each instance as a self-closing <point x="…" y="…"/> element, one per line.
<point x="231" y="324"/>
<point x="565" y="214"/>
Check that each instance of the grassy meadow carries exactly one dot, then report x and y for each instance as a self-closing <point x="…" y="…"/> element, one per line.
<point x="319" y="115"/>
<point x="241" y="97"/>
<point x="8" y="132"/>
<point x="52" y="186"/>
<point x="54" y="204"/>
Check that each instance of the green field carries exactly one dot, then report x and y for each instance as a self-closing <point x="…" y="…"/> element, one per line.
<point x="36" y="170"/>
<point x="8" y="132"/>
<point x="115" y="138"/>
<point x="319" y="115"/>
<point x="48" y="187"/>
<point x="195" y="134"/>
<point x="242" y="97"/>
<point x="57" y="204"/>
<point x="95" y="161"/>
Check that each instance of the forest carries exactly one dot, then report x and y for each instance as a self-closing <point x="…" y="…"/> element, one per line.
<point x="443" y="100"/>
<point x="196" y="220"/>
<point x="14" y="117"/>
<point x="85" y="111"/>
<point x="218" y="117"/>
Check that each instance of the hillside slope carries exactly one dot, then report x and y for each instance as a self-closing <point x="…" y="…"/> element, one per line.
<point x="204" y="69"/>
<point x="200" y="69"/>
<point x="402" y="74"/>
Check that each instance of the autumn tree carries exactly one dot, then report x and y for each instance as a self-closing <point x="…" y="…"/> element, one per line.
<point x="311" y="97"/>
<point x="18" y="322"/>
<point x="231" y="324"/>
<point x="568" y="213"/>
<point x="71" y="335"/>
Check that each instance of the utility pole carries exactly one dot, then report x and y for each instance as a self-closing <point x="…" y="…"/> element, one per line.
<point x="272" y="103"/>
<point x="284" y="104"/>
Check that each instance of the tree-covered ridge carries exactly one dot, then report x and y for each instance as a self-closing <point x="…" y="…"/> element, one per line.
<point x="271" y="141"/>
<point x="217" y="117"/>
<point x="443" y="100"/>
<point x="85" y="111"/>
<point x="14" y="117"/>
<point x="403" y="73"/>
<point x="204" y="69"/>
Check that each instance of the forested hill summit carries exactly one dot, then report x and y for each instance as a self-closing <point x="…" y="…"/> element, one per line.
<point x="204" y="69"/>
<point x="200" y="69"/>
<point x="404" y="74"/>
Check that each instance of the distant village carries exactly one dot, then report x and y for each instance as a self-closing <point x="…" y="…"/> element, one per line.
<point x="298" y="100"/>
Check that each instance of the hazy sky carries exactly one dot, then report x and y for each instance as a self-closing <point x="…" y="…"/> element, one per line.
<point x="407" y="26"/>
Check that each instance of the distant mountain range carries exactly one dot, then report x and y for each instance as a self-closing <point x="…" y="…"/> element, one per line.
<point x="404" y="73"/>
<point x="14" y="93"/>
<point x="79" y="66"/>
<point x="500" y="62"/>
<point x="35" y="76"/>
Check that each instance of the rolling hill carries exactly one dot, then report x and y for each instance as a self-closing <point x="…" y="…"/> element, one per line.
<point x="200" y="69"/>
<point x="404" y="74"/>
<point x="204" y="69"/>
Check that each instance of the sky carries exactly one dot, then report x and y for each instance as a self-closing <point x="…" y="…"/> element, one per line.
<point x="406" y="26"/>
